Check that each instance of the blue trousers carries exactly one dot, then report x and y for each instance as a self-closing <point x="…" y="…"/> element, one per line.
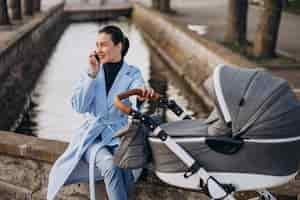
<point x="118" y="182"/>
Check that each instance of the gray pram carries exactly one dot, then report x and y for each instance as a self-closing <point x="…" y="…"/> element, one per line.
<point x="249" y="142"/>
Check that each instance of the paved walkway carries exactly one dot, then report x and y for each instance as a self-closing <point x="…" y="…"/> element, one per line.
<point x="213" y="14"/>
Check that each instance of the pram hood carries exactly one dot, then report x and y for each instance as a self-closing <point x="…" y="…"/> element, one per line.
<point x="252" y="103"/>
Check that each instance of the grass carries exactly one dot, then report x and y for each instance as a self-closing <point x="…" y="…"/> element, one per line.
<point x="293" y="7"/>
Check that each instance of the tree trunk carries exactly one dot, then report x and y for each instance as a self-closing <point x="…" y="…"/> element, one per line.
<point x="267" y="30"/>
<point x="102" y="2"/>
<point x="155" y="4"/>
<point x="236" y="30"/>
<point x="165" y="6"/>
<point x="37" y="5"/>
<point x="28" y="7"/>
<point x="15" y="8"/>
<point x="4" y="18"/>
<point x="285" y="3"/>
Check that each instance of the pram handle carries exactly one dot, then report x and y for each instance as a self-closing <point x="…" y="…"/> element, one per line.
<point x="163" y="102"/>
<point x="126" y="109"/>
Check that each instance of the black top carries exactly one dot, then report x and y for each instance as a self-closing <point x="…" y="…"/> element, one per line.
<point x="111" y="71"/>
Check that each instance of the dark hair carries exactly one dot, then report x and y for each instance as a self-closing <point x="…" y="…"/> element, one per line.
<point x="117" y="36"/>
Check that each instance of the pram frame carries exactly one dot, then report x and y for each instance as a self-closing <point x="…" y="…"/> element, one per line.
<point x="207" y="183"/>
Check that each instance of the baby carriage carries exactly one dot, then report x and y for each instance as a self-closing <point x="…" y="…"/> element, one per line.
<point x="250" y="141"/>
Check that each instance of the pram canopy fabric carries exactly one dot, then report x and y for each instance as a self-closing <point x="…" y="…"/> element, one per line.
<point x="252" y="103"/>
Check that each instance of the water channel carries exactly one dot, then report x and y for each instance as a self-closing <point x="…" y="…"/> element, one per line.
<point x="50" y="115"/>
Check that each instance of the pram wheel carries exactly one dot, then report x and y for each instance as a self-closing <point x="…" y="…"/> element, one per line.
<point x="265" y="195"/>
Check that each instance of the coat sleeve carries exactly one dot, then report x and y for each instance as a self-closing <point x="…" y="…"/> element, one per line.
<point x="137" y="80"/>
<point x="83" y="94"/>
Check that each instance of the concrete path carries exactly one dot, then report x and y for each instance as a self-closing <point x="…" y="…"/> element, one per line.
<point x="213" y="14"/>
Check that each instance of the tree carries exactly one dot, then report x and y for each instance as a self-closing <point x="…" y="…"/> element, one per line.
<point x="28" y="7"/>
<point x="267" y="30"/>
<point x="4" y="18"/>
<point x="155" y="4"/>
<point x="236" y="30"/>
<point x="164" y="6"/>
<point x="37" y="5"/>
<point x="15" y="7"/>
<point x="102" y="2"/>
<point x="161" y="5"/>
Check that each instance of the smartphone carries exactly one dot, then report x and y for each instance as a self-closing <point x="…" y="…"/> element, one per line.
<point x="97" y="58"/>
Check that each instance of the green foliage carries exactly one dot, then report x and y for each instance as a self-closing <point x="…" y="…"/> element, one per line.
<point x="293" y="6"/>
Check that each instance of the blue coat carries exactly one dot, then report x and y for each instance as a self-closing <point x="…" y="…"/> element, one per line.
<point x="89" y="96"/>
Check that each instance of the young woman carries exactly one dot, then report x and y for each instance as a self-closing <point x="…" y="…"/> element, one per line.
<point x="89" y="156"/>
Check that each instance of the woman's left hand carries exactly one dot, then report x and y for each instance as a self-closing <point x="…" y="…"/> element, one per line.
<point x="146" y="94"/>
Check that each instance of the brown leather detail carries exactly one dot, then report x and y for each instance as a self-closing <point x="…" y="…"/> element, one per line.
<point x="126" y="109"/>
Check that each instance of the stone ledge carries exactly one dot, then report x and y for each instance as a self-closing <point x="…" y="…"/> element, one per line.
<point x="10" y="191"/>
<point x="30" y="147"/>
<point x="73" y="7"/>
<point x="12" y="38"/>
<point x="94" y="12"/>
<point x="27" y="28"/>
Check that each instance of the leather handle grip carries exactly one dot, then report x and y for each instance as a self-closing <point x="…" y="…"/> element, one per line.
<point x="126" y="109"/>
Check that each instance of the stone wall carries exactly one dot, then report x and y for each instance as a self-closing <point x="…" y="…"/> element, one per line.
<point x="25" y="163"/>
<point x="23" y="58"/>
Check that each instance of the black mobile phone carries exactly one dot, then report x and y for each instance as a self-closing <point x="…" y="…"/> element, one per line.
<point x="97" y="58"/>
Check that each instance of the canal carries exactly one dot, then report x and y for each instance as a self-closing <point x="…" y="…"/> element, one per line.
<point x="50" y="115"/>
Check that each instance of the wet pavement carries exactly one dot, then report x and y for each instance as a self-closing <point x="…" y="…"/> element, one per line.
<point x="213" y="14"/>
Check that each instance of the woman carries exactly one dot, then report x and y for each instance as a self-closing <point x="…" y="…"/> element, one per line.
<point x="90" y="153"/>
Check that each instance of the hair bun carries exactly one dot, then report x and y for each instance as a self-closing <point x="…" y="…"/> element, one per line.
<point x="125" y="46"/>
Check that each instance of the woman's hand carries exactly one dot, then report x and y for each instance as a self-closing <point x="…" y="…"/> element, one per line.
<point x="146" y="94"/>
<point x="94" y="64"/>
